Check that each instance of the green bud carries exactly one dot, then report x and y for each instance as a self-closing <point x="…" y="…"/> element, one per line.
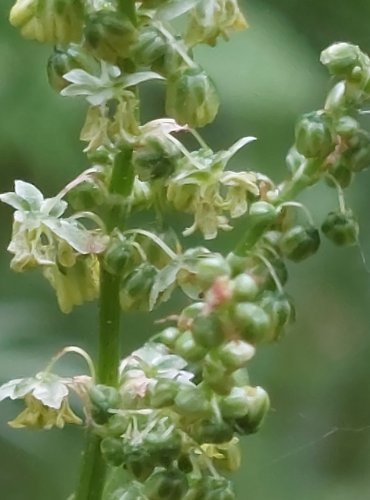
<point x="103" y="398"/>
<point x="163" y="393"/>
<point x="341" y="173"/>
<point x="86" y="196"/>
<point x="138" y="460"/>
<point x="245" y="287"/>
<point x="170" y="484"/>
<point x="156" y="159"/>
<point x="168" y="336"/>
<point x="252" y="321"/>
<point x="341" y="58"/>
<point x="64" y="60"/>
<point x="187" y="348"/>
<point x="207" y="330"/>
<point x="191" y="98"/>
<point x="191" y="401"/>
<point x="117" y="424"/>
<point x="299" y="242"/>
<point x="237" y="263"/>
<point x="56" y="21"/>
<point x="136" y="288"/>
<point x="259" y="404"/>
<point x="235" y="354"/>
<point x="150" y="47"/>
<point x="109" y="35"/>
<point x="346" y="127"/>
<point x="163" y="446"/>
<point x="118" y="256"/>
<point x="341" y="228"/>
<point x="314" y="137"/>
<point x="280" y="310"/>
<point x="216" y="375"/>
<point x="358" y="155"/>
<point x="212" y="431"/>
<point x="211" y="267"/>
<point x="112" y="451"/>
<point x="235" y="404"/>
<point x="261" y="216"/>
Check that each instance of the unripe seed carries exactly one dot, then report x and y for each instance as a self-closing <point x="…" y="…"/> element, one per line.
<point x="299" y="242"/>
<point x="187" y="348"/>
<point x="207" y="330"/>
<point x="210" y="268"/>
<point x="252" y="321"/>
<point x="314" y="137"/>
<point x="245" y="287"/>
<point x="212" y="431"/>
<point x="235" y="354"/>
<point x="341" y="228"/>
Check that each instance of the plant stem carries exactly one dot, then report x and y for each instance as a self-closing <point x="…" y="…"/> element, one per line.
<point x="93" y="467"/>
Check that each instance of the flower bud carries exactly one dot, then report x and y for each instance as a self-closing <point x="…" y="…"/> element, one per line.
<point x="341" y="58"/>
<point x="163" y="393"/>
<point x="163" y="446"/>
<point x="112" y="451"/>
<point x="358" y="156"/>
<point x="314" y="137"/>
<point x="109" y="35"/>
<point x="117" y="424"/>
<point x="64" y="60"/>
<point x="103" y="398"/>
<point x="136" y="288"/>
<point x="299" y="242"/>
<point x="211" y="267"/>
<point x="187" y="348"/>
<point x="245" y="287"/>
<point x="235" y="354"/>
<point x="191" y="98"/>
<point x="280" y="310"/>
<point x="261" y="216"/>
<point x="207" y="330"/>
<point x="341" y="173"/>
<point x="252" y="321"/>
<point x="150" y="46"/>
<point x="168" y="484"/>
<point x="341" y="228"/>
<point x="117" y="256"/>
<point x="212" y="431"/>
<point x="259" y="404"/>
<point x="191" y="401"/>
<point x="56" y="21"/>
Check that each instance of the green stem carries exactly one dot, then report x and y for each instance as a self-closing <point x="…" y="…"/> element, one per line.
<point x="93" y="468"/>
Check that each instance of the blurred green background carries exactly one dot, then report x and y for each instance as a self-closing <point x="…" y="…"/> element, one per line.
<point x="315" y="444"/>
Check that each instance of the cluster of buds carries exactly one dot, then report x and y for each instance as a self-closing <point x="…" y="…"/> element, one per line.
<point x="173" y="421"/>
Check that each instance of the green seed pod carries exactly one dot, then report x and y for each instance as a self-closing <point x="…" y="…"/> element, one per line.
<point x="261" y="216"/>
<point x="235" y="354"/>
<point x="188" y="348"/>
<point x="163" y="447"/>
<point x="103" y="398"/>
<point x="314" y="137"/>
<point x="191" y="98"/>
<point x="191" y="401"/>
<point x="245" y="287"/>
<point x="252" y="321"/>
<point x="207" y="330"/>
<point x="136" y="288"/>
<point x="64" y="60"/>
<point x="118" y="256"/>
<point x="235" y="404"/>
<point x="299" y="242"/>
<point x="170" y="484"/>
<point x="341" y="228"/>
<point x="341" y="58"/>
<point x="211" y="267"/>
<point x="112" y="451"/>
<point x="168" y="336"/>
<point x="109" y="35"/>
<point x="212" y="431"/>
<point x="56" y="21"/>
<point x="163" y="393"/>
<point x="259" y="404"/>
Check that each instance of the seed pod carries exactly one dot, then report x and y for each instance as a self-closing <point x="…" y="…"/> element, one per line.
<point x="192" y="401"/>
<point x="341" y="172"/>
<point x="103" y="398"/>
<point x="188" y="348"/>
<point x="341" y="228"/>
<point x="280" y="310"/>
<point x="170" y="484"/>
<point x="64" y="60"/>
<point x="163" y="446"/>
<point x="341" y="58"/>
<point x="211" y="267"/>
<point x="314" y="137"/>
<point x="207" y="330"/>
<point x="358" y="156"/>
<point x="252" y="321"/>
<point x="109" y="35"/>
<point x="118" y="256"/>
<point x="56" y="21"/>
<point x="235" y="354"/>
<point x="212" y="431"/>
<point x="112" y="451"/>
<point x="346" y="127"/>
<point x="150" y="46"/>
<point x="259" y="404"/>
<point x="235" y="404"/>
<point x="191" y="98"/>
<point x="261" y="216"/>
<point x="299" y="242"/>
<point x="117" y="424"/>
